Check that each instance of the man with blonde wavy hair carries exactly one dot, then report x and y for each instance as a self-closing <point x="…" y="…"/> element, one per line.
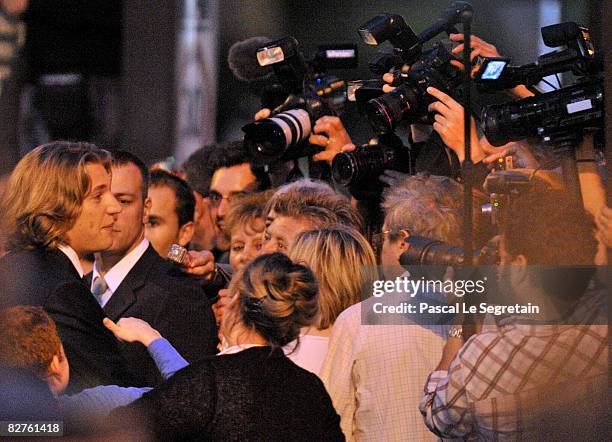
<point x="56" y="209"/>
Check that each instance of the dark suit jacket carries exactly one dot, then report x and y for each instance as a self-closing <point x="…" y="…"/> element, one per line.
<point x="173" y="303"/>
<point x="47" y="278"/>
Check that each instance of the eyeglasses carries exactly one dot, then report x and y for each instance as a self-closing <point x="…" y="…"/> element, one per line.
<point x="216" y="198"/>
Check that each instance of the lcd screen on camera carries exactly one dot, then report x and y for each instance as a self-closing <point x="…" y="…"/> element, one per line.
<point x="493" y="69"/>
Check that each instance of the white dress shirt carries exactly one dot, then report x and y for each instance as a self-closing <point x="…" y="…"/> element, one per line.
<point x="115" y="276"/>
<point x="310" y="354"/>
<point x="73" y="257"/>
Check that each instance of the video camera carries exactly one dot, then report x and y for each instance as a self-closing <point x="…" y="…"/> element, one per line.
<point x="567" y="110"/>
<point x="308" y="94"/>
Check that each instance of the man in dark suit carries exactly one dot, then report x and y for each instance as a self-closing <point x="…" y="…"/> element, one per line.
<point x="130" y="279"/>
<point x="58" y="208"/>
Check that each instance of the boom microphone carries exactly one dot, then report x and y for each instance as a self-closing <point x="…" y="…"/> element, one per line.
<point x="451" y="16"/>
<point x="242" y="60"/>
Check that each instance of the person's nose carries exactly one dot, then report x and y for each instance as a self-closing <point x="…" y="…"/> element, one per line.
<point x="112" y="206"/>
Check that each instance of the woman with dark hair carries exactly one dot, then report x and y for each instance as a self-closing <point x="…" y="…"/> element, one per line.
<point x="251" y="390"/>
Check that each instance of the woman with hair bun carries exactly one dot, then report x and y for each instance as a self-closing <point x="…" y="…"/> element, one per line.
<point x="251" y="390"/>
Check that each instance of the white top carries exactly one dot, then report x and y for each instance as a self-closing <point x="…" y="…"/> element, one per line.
<point x="119" y="271"/>
<point x="310" y="354"/>
<point x="375" y="374"/>
<point x="73" y="257"/>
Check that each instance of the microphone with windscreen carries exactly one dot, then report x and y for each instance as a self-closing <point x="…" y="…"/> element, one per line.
<point x="242" y="60"/>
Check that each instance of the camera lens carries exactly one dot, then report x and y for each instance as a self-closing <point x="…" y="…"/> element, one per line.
<point x="271" y="138"/>
<point x="428" y="251"/>
<point x="386" y="111"/>
<point x="344" y="168"/>
<point x="367" y="163"/>
<point x="502" y="123"/>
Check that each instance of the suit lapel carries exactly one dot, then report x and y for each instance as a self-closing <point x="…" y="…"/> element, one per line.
<point x="126" y="294"/>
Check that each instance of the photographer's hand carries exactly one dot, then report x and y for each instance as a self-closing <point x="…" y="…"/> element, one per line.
<point x="518" y="149"/>
<point x="449" y="125"/>
<point x="262" y="113"/>
<point x="483" y="49"/>
<point x="334" y="139"/>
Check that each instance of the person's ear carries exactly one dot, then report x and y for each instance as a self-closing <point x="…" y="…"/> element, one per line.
<point x="185" y="234"/>
<point x="519" y="267"/>
<point x="147" y="210"/>
<point x="402" y="244"/>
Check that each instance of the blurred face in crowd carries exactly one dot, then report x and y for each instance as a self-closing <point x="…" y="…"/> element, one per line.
<point x="128" y="231"/>
<point x="58" y="374"/>
<point x="204" y="236"/>
<point x="281" y="231"/>
<point x="163" y="227"/>
<point x="392" y="248"/>
<point x="226" y="183"/>
<point x="93" y="229"/>
<point x="246" y="243"/>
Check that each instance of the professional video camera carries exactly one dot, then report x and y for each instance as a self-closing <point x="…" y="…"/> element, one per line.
<point x="309" y="93"/>
<point x="553" y="114"/>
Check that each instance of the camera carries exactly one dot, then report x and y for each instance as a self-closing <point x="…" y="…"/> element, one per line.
<point x="359" y="170"/>
<point x="409" y="101"/>
<point x="431" y="252"/>
<point x="563" y="111"/>
<point x="566" y="110"/>
<point x="309" y="93"/>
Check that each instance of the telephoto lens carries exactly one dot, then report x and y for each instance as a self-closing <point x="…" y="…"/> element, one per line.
<point x="279" y="137"/>
<point x="429" y="251"/>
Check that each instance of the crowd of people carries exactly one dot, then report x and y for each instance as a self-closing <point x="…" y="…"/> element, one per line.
<point x="267" y="329"/>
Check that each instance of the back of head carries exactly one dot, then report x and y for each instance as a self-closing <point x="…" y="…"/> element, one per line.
<point x="425" y="206"/>
<point x="548" y="228"/>
<point x="185" y="201"/>
<point x="556" y="236"/>
<point x="28" y="339"/>
<point x="45" y="193"/>
<point x="276" y="297"/>
<point x="344" y="263"/>
<point x="319" y="203"/>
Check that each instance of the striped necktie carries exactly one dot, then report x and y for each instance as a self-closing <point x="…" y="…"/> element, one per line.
<point x="98" y="288"/>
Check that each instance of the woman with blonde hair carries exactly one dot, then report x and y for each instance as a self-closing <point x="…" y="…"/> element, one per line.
<point x="344" y="263"/>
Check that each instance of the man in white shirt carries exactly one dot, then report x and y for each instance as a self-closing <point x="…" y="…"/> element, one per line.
<point x="376" y="364"/>
<point x="131" y="279"/>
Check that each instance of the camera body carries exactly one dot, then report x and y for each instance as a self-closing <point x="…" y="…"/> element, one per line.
<point x="309" y="93"/>
<point x="359" y="170"/>
<point x="408" y="103"/>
